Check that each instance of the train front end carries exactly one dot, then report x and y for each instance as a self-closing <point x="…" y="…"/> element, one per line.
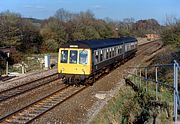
<point x="74" y="64"/>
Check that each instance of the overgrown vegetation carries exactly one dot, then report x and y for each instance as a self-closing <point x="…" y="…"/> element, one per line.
<point x="136" y="106"/>
<point x="171" y="34"/>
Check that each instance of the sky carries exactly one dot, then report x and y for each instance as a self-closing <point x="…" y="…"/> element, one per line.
<point x="115" y="9"/>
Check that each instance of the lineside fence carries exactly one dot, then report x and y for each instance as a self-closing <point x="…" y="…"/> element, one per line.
<point x="154" y="74"/>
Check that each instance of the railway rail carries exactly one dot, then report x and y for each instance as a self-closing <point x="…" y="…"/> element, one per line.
<point x="23" y="77"/>
<point x="34" y="110"/>
<point x="23" y="88"/>
<point x="142" y="49"/>
<point x="5" y="78"/>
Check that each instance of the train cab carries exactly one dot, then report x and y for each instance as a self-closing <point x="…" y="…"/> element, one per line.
<point x="74" y="61"/>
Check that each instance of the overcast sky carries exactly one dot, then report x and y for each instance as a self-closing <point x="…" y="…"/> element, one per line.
<point x="115" y="9"/>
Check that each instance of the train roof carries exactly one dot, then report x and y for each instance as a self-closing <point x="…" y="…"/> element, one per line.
<point x="98" y="43"/>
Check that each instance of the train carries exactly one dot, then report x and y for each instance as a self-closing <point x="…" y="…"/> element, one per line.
<point x="87" y="59"/>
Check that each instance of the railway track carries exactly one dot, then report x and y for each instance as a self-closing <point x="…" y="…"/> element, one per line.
<point x="5" y="78"/>
<point x="34" y="110"/>
<point x="24" y="77"/>
<point x="18" y="90"/>
<point x="145" y="47"/>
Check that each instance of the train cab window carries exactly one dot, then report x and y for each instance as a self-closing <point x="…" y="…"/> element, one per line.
<point x="73" y="57"/>
<point x="83" y="57"/>
<point x="64" y="56"/>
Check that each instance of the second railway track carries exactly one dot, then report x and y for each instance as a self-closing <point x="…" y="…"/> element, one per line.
<point x="20" y="89"/>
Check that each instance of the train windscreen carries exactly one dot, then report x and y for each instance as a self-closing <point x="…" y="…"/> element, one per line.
<point x="73" y="57"/>
<point x="83" y="56"/>
<point x="64" y="56"/>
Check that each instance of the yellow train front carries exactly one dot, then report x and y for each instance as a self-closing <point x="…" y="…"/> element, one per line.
<point x="79" y="60"/>
<point x="74" y="63"/>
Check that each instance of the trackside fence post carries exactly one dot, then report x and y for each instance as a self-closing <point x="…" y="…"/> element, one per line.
<point x="140" y="78"/>
<point x="176" y="68"/>
<point x="146" y="77"/>
<point x="156" y="82"/>
<point x="136" y="76"/>
<point x="176" y="93"/>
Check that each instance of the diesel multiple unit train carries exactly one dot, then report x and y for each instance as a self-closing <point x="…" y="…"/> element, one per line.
<point x="80" y="60"/>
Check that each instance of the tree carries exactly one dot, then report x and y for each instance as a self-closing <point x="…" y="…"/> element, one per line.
<point x="171" y="34"/>
<point x="31" y="39"/>
<point x="9" y="31"/>
<point x="54" y="31"/>
<point x="143" y="27"/>
<point x="63" y="15"/>
<point x="19" y="32"/>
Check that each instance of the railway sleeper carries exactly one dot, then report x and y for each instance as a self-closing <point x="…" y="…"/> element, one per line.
<point x="17" y="122"/>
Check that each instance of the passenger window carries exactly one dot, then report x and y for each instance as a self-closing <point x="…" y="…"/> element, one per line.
<point x="104" y="54"/>
<point x="73" y="57"/>
<point x="83" y="56"/>
<point x="113" y="53"/>
<point x="110" y="53"/>
<point x="107" y="54"/>
<point x="64" y="56"/>
<point x="101" y="55"/>
<point x="96" y="57"/>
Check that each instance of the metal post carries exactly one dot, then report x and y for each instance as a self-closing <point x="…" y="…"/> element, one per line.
<point x="156" y="82"/>
<point x="7" y="64"/>
<point x="175" y="97"/>
<point x="146" y="77"/>
<point x="23" y="68"/>
<point x="176" y="90"/>
<point x="140" y="77"/>
<point x="7" y="67"/>
<point x="136" y="76"/>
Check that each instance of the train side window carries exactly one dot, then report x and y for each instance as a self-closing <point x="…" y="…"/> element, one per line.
<point x="73" y="57"/>
<point x="110" y="52"/>
<point x="64" y="56"/>
<point x="83" y="57"/>
<point x="96" y="56"/>
<point x="107" y="54"/>
<point x="104" y="54"/>
<point x="120" y="51"/>
<point x="101" y="55"/>
<point x="126" y="48"/>
<point x="113" y="52"/>
<point x="117" y="50"/>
